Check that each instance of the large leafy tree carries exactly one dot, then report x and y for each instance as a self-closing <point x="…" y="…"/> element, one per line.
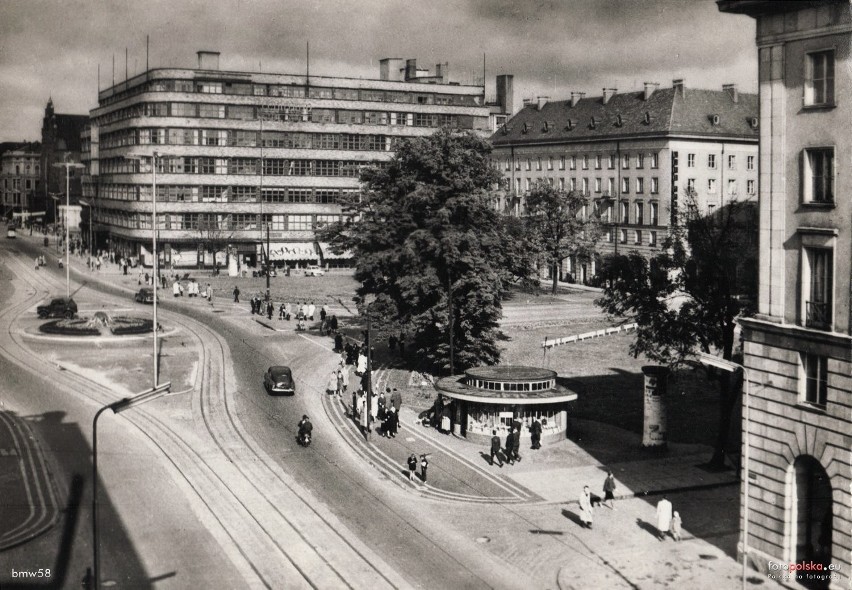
<point x="428" y="243"/>
<point x="561" y="224"/>
<point x="687" y="298"/>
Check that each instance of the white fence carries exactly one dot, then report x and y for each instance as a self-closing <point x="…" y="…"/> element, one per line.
<point x="551" y="342"/>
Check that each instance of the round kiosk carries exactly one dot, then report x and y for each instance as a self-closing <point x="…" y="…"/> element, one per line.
<point x="491" y="398"/>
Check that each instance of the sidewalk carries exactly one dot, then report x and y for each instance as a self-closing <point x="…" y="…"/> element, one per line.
<point x="460" y="470"/>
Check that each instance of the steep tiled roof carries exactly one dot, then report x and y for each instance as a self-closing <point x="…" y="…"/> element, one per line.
<point x="669" y="111"/>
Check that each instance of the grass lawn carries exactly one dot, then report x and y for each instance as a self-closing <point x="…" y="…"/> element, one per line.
<point x="607" y="378"/>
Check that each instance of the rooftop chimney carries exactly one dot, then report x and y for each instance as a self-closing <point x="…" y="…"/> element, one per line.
<point x="575" y="97"/>
<point x="679" y="87"/>
<point x="732" y="90"/>
<point x="410" y="69"/>
<point x="608" y="93"/>
<point x="542" y="100"/>
<point x="208" y="60"/>
<point x="505" y="93"/>
<point x="650" y="87"/>
<point x="442" y="71"/>
<point x="390" y="68"/>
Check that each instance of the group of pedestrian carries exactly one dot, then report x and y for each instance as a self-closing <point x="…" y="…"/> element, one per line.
<point x="668" y="520"/>
<point x="412" y="466"/>
<point x="397" y="342"/>
<point x="338" y="382"/>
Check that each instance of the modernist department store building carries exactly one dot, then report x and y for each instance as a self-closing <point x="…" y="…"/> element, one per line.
<point x="240" y="153"/>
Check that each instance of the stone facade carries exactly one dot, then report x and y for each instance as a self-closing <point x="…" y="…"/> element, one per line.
<point x="625" y="150"/>
<point x="798" y="349"/>
<point x="242" y="153"/>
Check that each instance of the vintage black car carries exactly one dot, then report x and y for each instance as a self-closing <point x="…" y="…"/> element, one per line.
<point x="59" y="307"/>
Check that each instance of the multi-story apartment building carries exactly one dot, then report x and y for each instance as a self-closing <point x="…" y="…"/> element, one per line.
<point x="634" y="154"/>
<point x="798" y="349"/>
<point x="242" y="154"/>
<point x="20" y="171"/>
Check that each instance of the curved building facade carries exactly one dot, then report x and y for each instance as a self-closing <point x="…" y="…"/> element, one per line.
<point x="485" y="399"/>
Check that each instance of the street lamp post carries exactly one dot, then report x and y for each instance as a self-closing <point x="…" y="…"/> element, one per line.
<point x="116" y="407"/>
<point x="732" y="367"/>
<point x="67" y="166"/>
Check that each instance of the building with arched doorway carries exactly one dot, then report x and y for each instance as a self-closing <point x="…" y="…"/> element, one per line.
<point x="798" y="348"/>
<point x="486" y="399"/>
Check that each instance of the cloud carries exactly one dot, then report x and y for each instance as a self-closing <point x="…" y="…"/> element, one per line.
<point x="551" y="46"/>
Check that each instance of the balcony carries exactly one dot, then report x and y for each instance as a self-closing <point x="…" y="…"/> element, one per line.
<point x="818" y="315"/>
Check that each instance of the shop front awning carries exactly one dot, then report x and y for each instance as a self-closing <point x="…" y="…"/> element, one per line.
<point x="292" y="251"/>
<point x="325" y="249"/>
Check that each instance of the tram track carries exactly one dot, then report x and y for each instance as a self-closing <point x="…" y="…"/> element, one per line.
<point x="309" y="564"/>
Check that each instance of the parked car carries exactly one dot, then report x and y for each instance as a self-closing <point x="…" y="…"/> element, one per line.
<point x="314" y="271"/>
<point x="145" y="295"/>
<point x="59" y="307"/>
<point x="279" y="379"/>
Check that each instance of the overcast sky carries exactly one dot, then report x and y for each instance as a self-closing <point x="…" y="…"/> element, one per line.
<point x="51" y="48"/>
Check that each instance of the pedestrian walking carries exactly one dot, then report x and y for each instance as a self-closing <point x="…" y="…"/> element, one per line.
<point x="339" y="382"/>
<point x="412" y="466"/>
<point x="311" y="309"/>
<point x="516" y="445"/>
<point x="338" y="342"/>
<point x="282" y="313"/>
<point x="424" y="465"/>
<point x="510" y="438"/>
<point x="334" y="323"/>
<point x="396" y="399"/>
<point x="270" y="309"/>
<point x="664" y="518"/>
<point x="344" y="371"/>
<point x="401" y="343"/>
<point x="609" y="490"/>
<point x="586" y="510"/>
<point x="495" y="448"/>
<point x="236" y="294"/>
<point x="331" y="385"/>
<point x="392" y="343"/>
<point x="393" y="418"/>
<point x="676" y="526"/>
<point x="535" y="434"/>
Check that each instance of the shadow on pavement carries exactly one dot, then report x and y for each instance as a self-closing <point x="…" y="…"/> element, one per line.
<point x="67" y="550"/>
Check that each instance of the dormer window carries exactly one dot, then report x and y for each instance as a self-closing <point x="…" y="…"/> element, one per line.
<point x="618" y="121"/>
<point x="593" y="124"/>
<point x="526" y="128"/>
<point x="570" y="125"/>
<point x="647" y="118"/>
<point x="714" y="119"/>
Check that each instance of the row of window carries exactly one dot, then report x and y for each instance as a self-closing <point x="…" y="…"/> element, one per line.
<point x="584" y="161"/>
<point x="296" y="91"/>
<point x="605" y="186"/>
<point x="222" y="194"/>
<point x="15" y="183"/>
<point x="751" y="186"/>
<point x="711" y="161"/>
<point x="249" y="166"/>
<point x="12" y="198"/>
<point x="291" y="114"/>
<point x="26" y="168"/>
<point x="240" y="138"/>
<point x="653" y="219"/>
<point x="504" y="386"/>
<point x="216" y="221"/>
<point x="638" y="235"/>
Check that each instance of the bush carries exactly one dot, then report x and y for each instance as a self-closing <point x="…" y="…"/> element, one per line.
<point x="121" y="326"/>
<point x="73" y="327"/>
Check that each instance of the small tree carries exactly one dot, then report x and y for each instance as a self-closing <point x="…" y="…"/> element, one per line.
<point x="560" y="224"/>
<point x="687" y="298"/>
<point x="427" y="241"/>
<point x="213" y="234"/>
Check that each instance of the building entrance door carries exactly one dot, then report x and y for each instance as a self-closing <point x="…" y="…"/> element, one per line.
<point x="813" y="518"/>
